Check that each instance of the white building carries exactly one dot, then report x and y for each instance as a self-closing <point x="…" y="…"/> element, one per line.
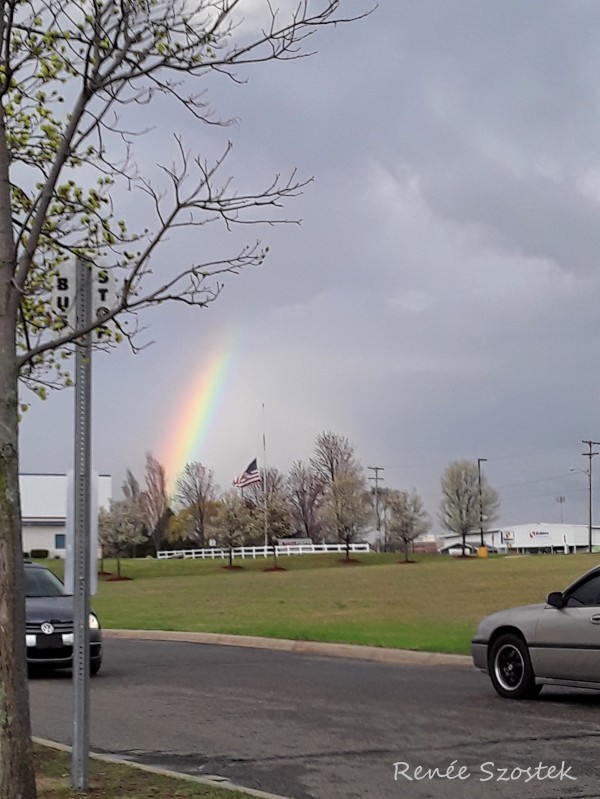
<point x="537" y="537"/>
<point x="44" y="510"/>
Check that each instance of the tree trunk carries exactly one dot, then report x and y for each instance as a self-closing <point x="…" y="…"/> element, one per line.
<point x="118" y="566"/>
<point x="201" y="534"/>
<point x="17" y="779"/>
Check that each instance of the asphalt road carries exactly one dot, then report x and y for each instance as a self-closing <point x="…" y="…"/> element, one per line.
<point x="313" y="727"/>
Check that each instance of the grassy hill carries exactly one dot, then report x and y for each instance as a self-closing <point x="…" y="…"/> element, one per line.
<point x="432" y="605"/>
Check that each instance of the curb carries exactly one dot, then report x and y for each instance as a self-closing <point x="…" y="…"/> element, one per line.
<point x="213" y="781"/>
<point x="375" y="653"/>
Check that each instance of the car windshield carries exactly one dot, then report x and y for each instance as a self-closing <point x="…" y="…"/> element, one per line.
<point x="42" y="582"/>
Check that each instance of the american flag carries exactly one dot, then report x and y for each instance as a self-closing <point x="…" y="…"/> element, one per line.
<point x="249" y="476"/>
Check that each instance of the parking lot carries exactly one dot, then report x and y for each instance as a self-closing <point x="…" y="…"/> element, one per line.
<point x="313" y="727"/>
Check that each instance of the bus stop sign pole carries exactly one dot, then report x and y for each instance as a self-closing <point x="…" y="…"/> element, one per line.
<point x="81" y="543"/>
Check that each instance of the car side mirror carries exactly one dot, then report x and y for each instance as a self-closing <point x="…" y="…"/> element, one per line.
<point x="555" y="599"/>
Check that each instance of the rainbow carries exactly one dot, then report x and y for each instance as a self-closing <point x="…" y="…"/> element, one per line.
<point x="195" y="414"/>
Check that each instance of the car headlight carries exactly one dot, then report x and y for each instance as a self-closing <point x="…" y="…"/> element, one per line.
<point x="94" y="623"/>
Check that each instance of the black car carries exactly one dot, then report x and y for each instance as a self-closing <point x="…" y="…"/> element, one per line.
<point x="49" y="622"/>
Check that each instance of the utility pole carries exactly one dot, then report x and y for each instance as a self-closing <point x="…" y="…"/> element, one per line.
<point x="377" y="479"/>
<point x="590" y="454"/>
<point x="479" y="462"/>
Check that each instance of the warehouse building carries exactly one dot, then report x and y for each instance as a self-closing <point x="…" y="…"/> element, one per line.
<point x="530" y="538"/>
<point x="44" y="509"/>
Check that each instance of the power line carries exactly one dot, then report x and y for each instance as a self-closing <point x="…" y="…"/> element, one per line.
<point x="532" y="482"/>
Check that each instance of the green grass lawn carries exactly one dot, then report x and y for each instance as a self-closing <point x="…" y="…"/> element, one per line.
<point x="432" y="605"/>
<point x="109" y="781"/>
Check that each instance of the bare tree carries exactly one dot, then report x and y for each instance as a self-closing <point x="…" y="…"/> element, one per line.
<point x="406" y="518"/>
<point x="155" y="502"/>
<point x="305" y="491"/>
<point x="72" y="79"/>
<point x="196" y="490"/>
<point x="131" y="487"/>
<point x="346" y="510"/>
<point x="460" y="505"/>
<point x="271" y="481"/>
<point x="333" y="455"/>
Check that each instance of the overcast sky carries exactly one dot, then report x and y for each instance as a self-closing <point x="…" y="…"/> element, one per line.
<point x="441" y="298"/>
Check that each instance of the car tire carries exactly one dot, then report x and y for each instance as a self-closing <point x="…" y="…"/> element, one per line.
<point x="95" y="666"/>
<point x="510" y="668"/>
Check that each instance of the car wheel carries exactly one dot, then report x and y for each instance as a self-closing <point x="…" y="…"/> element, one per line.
<point x="510" y="668"/>
<point x="95" y="666"/>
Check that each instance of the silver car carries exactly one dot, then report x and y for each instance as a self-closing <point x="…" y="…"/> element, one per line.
<point x="556" y="642"/>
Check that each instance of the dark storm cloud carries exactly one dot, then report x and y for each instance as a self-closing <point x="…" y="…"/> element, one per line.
<point x="440" y="299"/>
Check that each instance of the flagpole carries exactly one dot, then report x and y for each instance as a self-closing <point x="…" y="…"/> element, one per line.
<point x="264" y="438"/>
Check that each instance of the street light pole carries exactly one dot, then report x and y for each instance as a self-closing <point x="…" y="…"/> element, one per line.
<point x="561" y="501"/>
<point x="479" y="462"/>
<point x="590" y="505"/>
<point x="590" y="455"/>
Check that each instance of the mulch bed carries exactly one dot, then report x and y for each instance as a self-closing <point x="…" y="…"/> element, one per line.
<point x="275" y="569"/>
<point x="232" y="568"/>
<point x="117" y="579"/>
<point x="352" y="561"/>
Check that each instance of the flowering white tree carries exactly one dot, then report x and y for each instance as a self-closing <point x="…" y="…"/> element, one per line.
<point x="235" y="522"/>
<point x="120" y="528"/>
<point x="346" y="510"/>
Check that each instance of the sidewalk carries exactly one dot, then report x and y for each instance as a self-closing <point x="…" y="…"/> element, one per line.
<point x="211" y="781"/>
<point x="380" y="654"/>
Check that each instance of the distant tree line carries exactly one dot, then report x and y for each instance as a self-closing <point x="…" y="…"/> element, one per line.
<point x="326" y="499"/>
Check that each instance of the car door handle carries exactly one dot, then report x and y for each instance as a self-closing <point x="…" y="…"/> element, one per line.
<point x="595" y="619"/>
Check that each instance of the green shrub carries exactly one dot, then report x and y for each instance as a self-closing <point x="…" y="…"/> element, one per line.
<point x="39" y="553"/>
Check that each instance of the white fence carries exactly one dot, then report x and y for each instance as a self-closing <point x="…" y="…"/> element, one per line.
<point x="214" y="553"/>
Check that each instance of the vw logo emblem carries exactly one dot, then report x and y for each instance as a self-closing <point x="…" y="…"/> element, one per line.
<point x="47" y="628"/>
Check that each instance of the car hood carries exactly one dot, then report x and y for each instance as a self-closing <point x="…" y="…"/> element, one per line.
<point x="524" y="618"/>
<point x="49" y="608"/>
